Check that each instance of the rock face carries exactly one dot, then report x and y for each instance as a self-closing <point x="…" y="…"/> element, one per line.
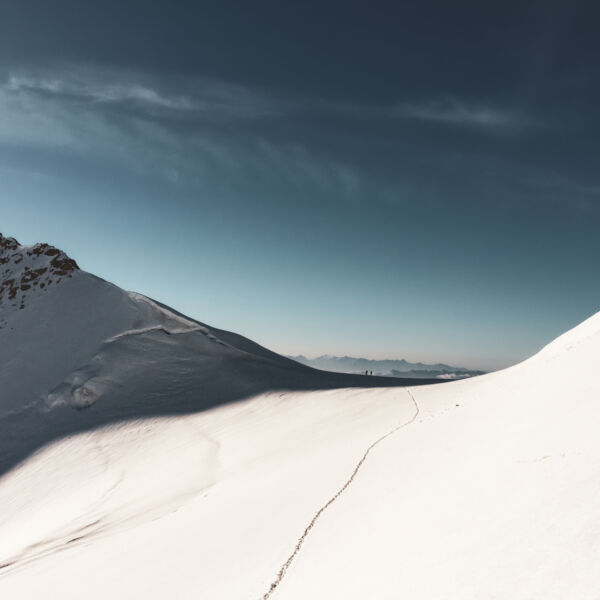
<point x="24" y="268"/>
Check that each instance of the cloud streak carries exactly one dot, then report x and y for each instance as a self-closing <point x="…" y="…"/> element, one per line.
<point x="119" y="89"/>
<point x="202" y="129"/>
<point x="197" y="127"/>
<point x="77" y="90"/>
<point x="455" y="112"/>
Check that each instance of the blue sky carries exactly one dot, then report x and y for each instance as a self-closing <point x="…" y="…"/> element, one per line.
<point x="383" y="180"/>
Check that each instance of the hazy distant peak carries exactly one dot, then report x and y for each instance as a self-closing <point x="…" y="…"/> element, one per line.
<point x="387" y="367"/>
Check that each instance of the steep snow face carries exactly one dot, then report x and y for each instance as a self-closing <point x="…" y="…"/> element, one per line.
<point x="60" y="325"/>
<point x="53" y="318"/>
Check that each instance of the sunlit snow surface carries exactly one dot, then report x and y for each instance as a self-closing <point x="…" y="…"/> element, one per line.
<point x="489" y="490"/>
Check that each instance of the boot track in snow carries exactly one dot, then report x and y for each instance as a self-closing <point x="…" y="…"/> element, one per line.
<point x="301" y="540"/>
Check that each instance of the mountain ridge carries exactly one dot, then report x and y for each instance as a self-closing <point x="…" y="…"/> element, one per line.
<point x="386" y="367"/>
<point x="77" y="352"/>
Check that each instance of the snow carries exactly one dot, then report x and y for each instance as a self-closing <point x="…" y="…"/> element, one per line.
<point x="150" y="456"/>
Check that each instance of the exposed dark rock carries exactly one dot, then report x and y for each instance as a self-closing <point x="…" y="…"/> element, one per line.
<point x="16" y="280"/>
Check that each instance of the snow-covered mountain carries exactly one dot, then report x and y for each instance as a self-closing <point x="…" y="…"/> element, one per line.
<point x="69" y="339"/>
<point x="150" y="456"/>
<point x="386" y="368"/>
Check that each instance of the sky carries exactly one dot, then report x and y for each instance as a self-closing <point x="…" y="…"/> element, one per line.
<point x="410" y="180"/>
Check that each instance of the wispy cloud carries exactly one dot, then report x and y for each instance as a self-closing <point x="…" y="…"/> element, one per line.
<point x="203" y="128"/>
<point x="95" y="86"/>
<point x="92" y="91"/>
<point x="454" y="112"/>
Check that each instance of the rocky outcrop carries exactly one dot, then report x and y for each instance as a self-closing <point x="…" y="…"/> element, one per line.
<point x="24" y="269"/>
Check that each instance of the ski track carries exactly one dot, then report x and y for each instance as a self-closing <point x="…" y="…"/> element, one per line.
<point x="286" y="565"/>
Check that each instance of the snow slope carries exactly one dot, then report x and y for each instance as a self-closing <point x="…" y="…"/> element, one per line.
<point x="256" y="481"/>
<point x="69" y="339"/>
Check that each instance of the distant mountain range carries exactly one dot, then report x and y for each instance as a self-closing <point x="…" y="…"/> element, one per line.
<point x="388" y="368"/>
